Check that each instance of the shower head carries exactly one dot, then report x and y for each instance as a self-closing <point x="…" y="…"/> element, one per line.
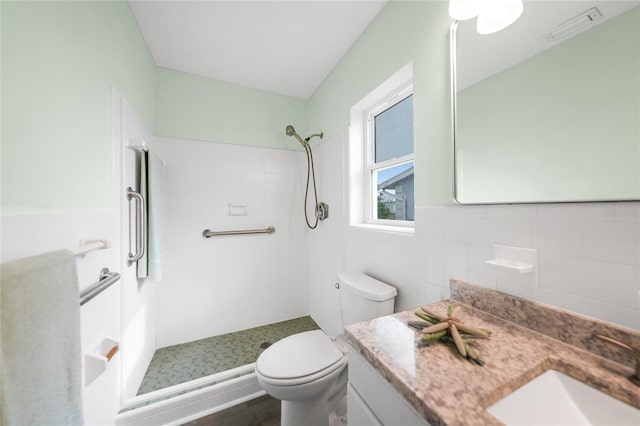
<point x="290" y="131"/>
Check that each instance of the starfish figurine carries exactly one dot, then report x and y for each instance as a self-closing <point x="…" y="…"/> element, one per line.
<point x="438" y="327"/>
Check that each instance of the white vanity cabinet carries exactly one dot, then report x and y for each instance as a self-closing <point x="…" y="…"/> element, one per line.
<point x="373" y="401"/>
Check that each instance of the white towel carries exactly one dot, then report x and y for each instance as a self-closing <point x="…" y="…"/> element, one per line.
<point x="155" y="199"/>
<point x="142" y="265"/>
<point x="41" y="365"/>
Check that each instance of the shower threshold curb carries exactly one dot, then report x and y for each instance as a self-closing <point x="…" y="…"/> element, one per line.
<point x="172" y="407"/>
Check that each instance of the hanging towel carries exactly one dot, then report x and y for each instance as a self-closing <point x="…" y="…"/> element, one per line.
<point x="41" y="366"/>
<point x="142" y="265"/>
<point x="155" y="190"/>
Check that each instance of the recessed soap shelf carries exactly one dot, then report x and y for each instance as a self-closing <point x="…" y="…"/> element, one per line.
<point x="505" y="265"/>
<point x="515" y="260"/>
<point x="97" y="361"/>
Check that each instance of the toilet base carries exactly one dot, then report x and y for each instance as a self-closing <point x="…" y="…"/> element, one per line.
<point x="316" y="411"/>
<point x="294" y="413"/>
<point x="312" y="413"/>
<point x="337" y="420"/>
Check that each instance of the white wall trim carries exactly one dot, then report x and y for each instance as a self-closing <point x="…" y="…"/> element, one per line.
<point x="193" y="405"/>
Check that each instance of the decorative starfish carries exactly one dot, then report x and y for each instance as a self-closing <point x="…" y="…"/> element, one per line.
<point x="450" y="327"/>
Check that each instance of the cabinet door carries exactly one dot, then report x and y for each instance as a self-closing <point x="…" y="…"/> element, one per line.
<point x="358" y="412"/>
<point x="382" y="401"/>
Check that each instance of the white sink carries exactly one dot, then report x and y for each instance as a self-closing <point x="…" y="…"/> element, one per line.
<point x="554" y="398"/>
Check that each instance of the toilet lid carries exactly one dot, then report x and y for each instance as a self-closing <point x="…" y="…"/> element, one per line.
<point x="299" y="355"/>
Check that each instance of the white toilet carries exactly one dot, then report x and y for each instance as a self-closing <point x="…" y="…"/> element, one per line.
<point x="307" y="371"/>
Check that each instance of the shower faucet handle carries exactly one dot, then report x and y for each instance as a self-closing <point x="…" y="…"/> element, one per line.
<point x="322" y="211"/>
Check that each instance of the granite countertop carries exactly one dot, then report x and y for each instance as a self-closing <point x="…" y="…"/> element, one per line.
<point x="449" y="390"/>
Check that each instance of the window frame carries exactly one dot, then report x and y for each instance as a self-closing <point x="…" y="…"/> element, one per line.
<point x="370" y="166"/>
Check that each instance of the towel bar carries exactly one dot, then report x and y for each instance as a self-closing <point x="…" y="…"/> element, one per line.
<point x="106" y="280"/>
<point x="207" y="233"/>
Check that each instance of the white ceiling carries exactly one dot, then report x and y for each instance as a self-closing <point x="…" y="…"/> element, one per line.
<point x="286" y="47"/>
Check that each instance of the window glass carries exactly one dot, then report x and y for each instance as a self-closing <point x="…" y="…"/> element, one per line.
<point x="394" y="192"/>
<point x="394" y="131"/>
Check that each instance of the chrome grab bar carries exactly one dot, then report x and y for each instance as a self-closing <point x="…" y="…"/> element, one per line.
<point x="207" y="233"/>
<point x="140" y="234"/>
<point x="107" y="278"/>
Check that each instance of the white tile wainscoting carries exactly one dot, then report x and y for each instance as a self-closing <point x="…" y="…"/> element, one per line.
<point x="588" y="253"/>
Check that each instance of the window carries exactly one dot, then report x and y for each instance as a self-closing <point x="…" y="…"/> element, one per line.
<point x="389" y="167"/>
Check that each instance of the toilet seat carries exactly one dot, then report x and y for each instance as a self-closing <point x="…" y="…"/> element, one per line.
<point x="299" y="359"/>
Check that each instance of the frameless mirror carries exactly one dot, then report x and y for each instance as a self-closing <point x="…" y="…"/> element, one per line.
<point x="548" y="110"/>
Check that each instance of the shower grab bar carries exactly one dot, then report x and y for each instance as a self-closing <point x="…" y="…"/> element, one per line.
<point x="106" y="280"/>
<point x="207" y="233"/>
<point x="140" y="237"/>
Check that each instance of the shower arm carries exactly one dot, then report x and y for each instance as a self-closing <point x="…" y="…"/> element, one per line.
<point x="320" y="135"/>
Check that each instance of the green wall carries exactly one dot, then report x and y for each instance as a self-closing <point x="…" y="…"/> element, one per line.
<point x="59" y="63"/>
<point x="60" y="60"/>
<point x="403" y="32"/>
<point x="188" y="106"/>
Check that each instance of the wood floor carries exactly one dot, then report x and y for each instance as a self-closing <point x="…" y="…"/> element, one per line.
<point x="263" y="411"/>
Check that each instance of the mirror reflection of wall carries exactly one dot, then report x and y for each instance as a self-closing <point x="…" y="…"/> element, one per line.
<point x="563" y="125"/>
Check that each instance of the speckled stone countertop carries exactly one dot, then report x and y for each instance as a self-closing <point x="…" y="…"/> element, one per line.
<point x="449" y="390"/>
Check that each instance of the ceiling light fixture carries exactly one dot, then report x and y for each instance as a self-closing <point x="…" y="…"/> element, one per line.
<point x="493" y="15"/>
<point x="461" y="10"/>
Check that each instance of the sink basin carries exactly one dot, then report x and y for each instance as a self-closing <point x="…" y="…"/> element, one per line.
<point x="554" y="398"/>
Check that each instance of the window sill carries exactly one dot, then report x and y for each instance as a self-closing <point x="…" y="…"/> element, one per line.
<point x="404" y="230"/>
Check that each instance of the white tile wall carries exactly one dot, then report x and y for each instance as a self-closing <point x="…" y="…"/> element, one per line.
<point x="601" y="278"/>
<point x="589" y="254"/>
<point x="558" y="236"/>
<point x="611" y="241"/>
<point x="217" y="285"/>
<point x="560" y="273"/>
<point x="326" y="255"/>
<point x="515" y="232"/>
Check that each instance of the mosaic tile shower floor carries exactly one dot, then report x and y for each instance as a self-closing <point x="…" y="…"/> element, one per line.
<point x="181" y="363"/>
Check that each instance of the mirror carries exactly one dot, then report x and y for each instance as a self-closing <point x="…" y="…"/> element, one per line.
<point x="548" y="109"/>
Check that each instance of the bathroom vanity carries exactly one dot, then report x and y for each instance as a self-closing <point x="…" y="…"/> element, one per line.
<point x="392" y="381"/>
<point x="373" y="401"/>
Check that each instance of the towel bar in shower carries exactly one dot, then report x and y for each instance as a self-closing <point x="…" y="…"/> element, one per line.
<point x="207" y="233"/>
<point x="106" y="280"/>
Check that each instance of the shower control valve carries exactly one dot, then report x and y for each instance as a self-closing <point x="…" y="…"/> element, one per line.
<point x="322" y="211"/>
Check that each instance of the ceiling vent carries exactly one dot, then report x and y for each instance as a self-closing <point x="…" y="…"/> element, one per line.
<point x="574" y="25"/>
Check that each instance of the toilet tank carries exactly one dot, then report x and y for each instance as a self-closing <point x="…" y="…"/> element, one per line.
<point x="363" y="298"/>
